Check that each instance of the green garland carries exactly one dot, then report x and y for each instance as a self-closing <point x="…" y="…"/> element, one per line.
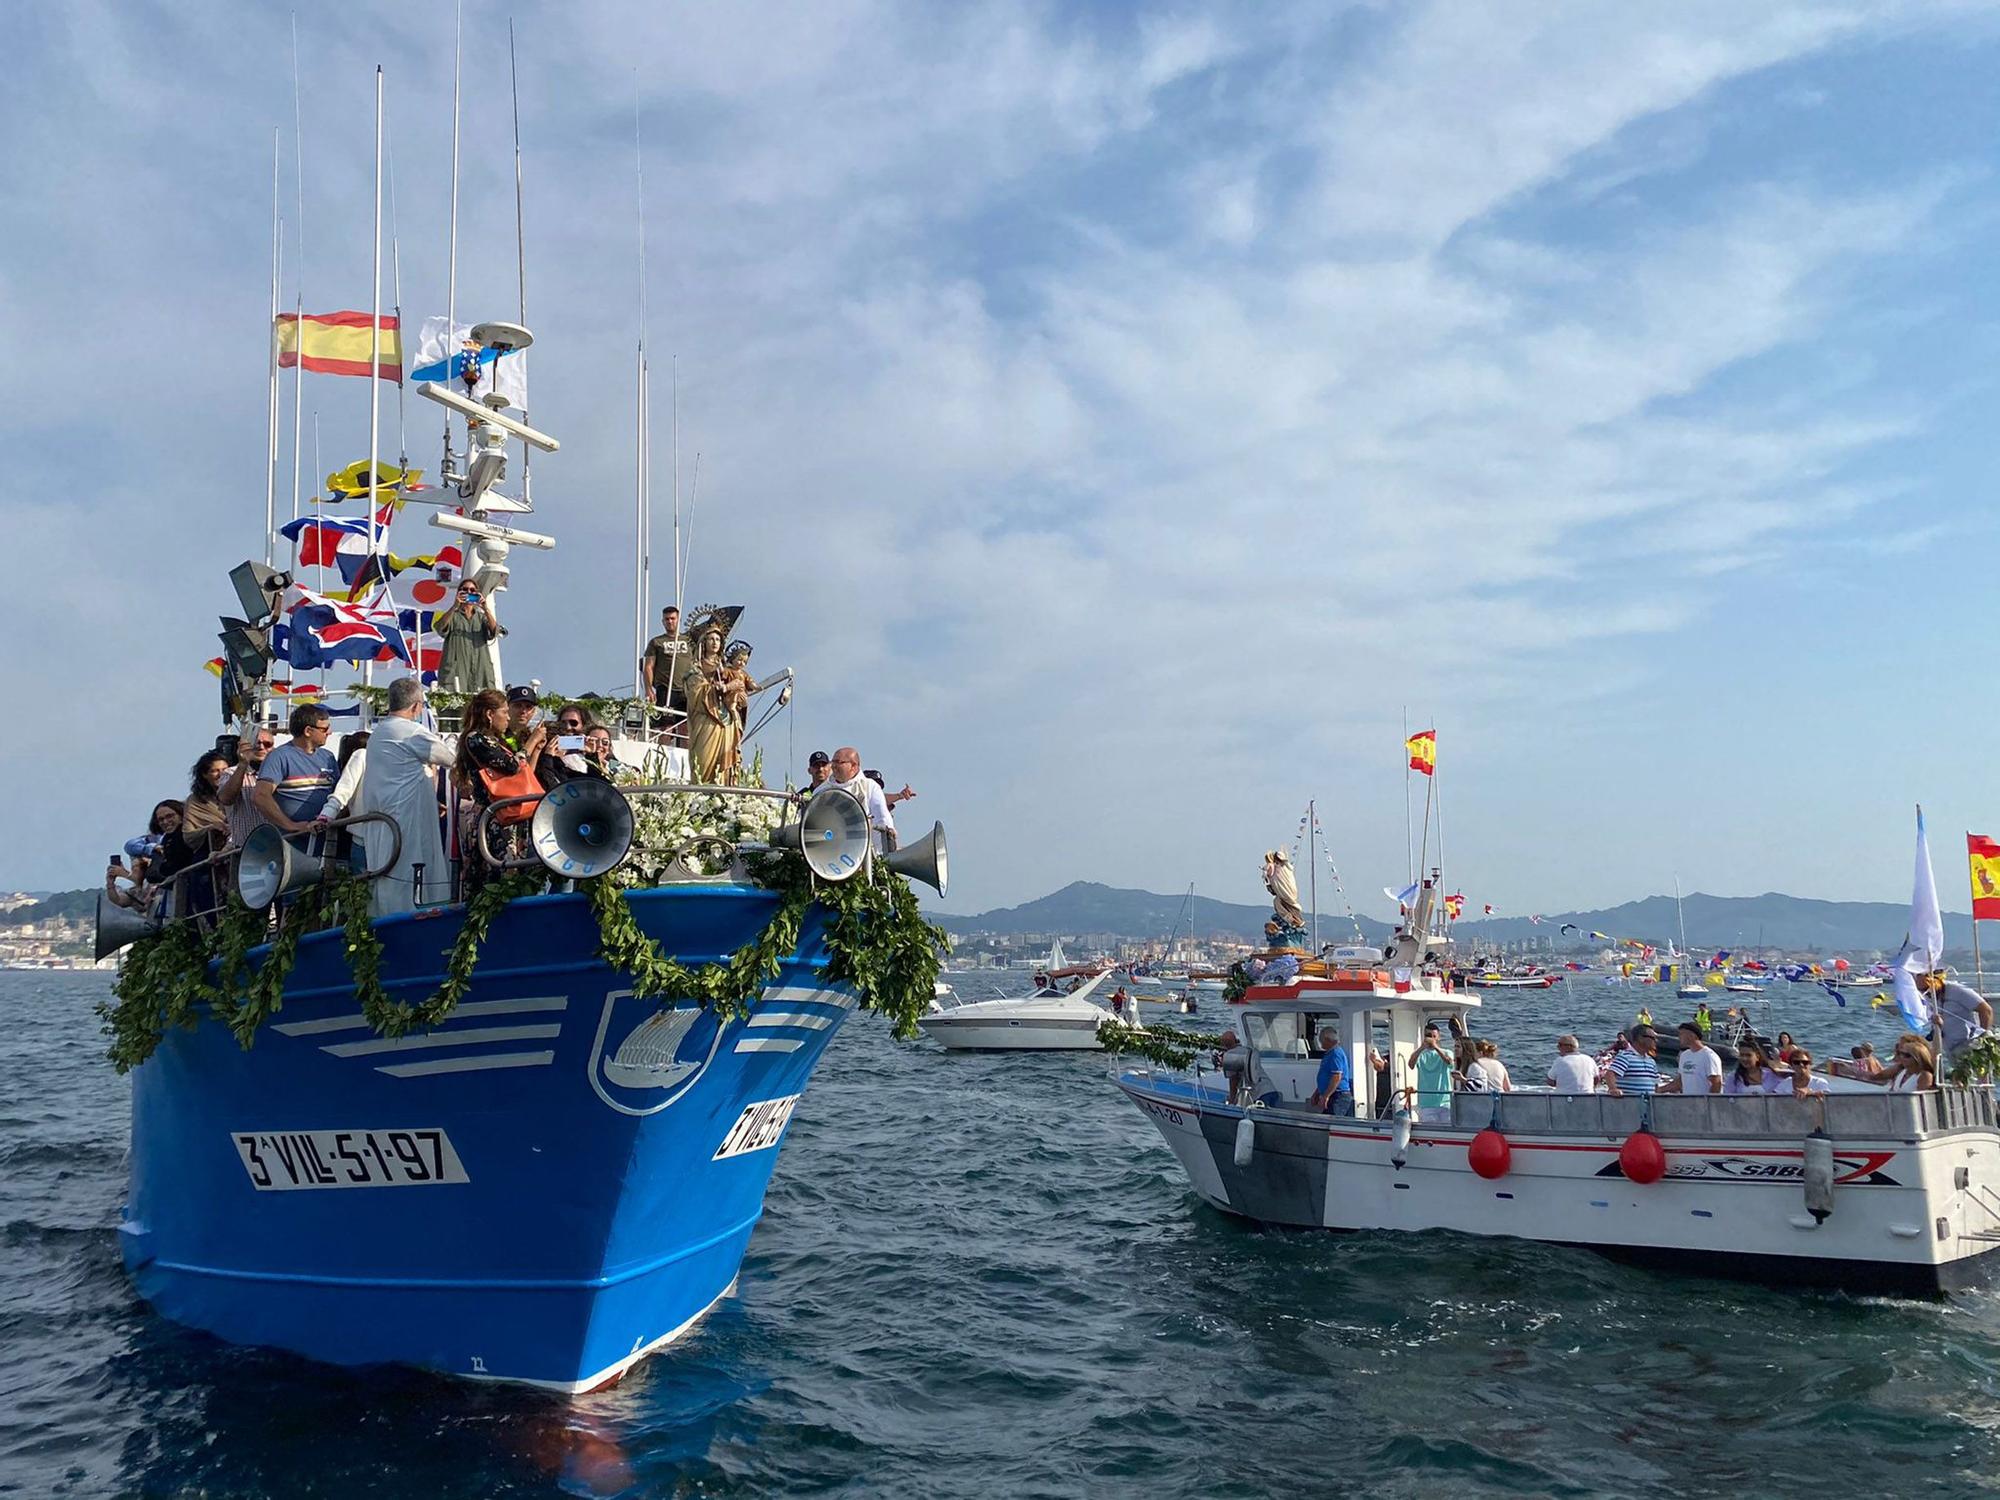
<point x="1169" y="1047"/>
<point x="1977" y="1062"/>
<point x="877" y="941"/>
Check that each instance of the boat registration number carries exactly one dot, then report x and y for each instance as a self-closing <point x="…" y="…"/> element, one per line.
<point x="284" y="1161"/>
<point x="758" y="1127"/>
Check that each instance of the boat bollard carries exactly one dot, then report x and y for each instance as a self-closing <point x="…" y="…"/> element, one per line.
<point x="1246" y="1141"/>
<point x="1819" y="1175"/>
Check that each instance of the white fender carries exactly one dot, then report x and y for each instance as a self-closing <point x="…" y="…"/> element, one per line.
<point x="1399" y="1139"/>
<point x="1246" y="1141"/>
<point x="1819" y="1174"/>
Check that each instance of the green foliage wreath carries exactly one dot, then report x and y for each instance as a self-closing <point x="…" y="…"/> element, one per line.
<point x="878" y="943"/>
<point x="1169" y="1046"/>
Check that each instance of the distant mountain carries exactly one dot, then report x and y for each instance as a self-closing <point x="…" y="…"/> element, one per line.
<point x="1777" y="920"/>
<point x="1086" y="906"/>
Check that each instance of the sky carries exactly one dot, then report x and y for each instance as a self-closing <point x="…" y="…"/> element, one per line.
<point x="1122" y="419"/>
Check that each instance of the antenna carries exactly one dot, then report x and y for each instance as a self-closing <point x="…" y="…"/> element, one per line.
<point x="520" y="243"/>
<point x="451" y="254"/>
<point x="277" y="252"/>
<point x="299" y="306"/>
<point x="375" y="346"/>
<point x="642" y="563"/>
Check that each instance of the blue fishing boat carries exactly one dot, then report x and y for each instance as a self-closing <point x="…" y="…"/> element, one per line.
<point x="558" y="1180"/>
<point x="504" y="1108"/>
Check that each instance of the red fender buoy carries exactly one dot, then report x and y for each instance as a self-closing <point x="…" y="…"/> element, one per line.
<point x="1489" y="1154"/>
<point x="1642" y="1158"/>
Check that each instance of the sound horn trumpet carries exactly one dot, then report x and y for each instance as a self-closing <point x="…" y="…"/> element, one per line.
<point x="271" y="866"/>
<point x="582" y="828"/>
<point x="923" y="860"/>
<point x="832" y="835"/>
<point x="119" y="925"/>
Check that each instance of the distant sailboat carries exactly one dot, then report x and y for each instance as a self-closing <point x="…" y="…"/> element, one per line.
<point x="1689" y="989"/>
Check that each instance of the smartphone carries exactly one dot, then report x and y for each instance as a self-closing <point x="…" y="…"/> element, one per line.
<point x="569" y="742"/>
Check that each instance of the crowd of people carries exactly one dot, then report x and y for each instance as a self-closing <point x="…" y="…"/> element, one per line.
<point x="507" y="747"/>
<point x="1447" y="1061"/>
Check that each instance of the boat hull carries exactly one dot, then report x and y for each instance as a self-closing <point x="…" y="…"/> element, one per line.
<point x="1013" y="1034"/>
<point x="1729" y="1204"/>
<point x="554" y="1182"/>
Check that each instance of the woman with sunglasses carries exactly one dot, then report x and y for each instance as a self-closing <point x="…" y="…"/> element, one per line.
<point x="1912" y="1068"/>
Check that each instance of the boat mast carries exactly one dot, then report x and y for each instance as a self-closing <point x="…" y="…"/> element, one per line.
<point x="271" y="404"/>
<point x="520" y="250"/>
<point x="299" y="306"/>
<point x="641" y="558"/>
<point x="375" y="346"/>
<point x="1312" y="856"/>
<point x="451" y="252"/>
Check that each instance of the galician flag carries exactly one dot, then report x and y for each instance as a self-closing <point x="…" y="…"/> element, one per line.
<point x="444" y="349"/>
<point x="1924" y="944"/>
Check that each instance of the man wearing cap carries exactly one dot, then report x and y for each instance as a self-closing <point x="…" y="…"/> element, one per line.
<point x="522" y="706"/>
<point x="1636" y="1071"/>
<point x="819" y="765"/>
<point x="1962" y="1013"/>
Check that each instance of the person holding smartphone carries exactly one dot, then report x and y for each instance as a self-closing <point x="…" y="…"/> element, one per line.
<point x="468" y="629"/>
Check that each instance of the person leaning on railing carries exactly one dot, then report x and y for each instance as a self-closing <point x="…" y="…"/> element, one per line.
<point x="1911" y="1070"/>
<point x="482" y="751"/>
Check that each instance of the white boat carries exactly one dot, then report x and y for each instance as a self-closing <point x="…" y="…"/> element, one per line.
<point x="1688" y="989"/>
<point x="1861" y="1187"/>
<point x="1050" y="1020"/>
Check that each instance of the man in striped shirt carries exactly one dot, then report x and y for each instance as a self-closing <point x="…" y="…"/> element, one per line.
<point x="1636" y="1071"/>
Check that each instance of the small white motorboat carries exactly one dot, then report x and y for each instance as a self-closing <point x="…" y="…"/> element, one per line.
<point x="1050" y="1020"/>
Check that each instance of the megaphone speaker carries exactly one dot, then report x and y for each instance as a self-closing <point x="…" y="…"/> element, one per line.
<point x="119" y="925"/>
<point x="832" y="835"/>
<point x="923" y="860"/>
<point x="271" y="866"/>
<point x="582" y="828"/>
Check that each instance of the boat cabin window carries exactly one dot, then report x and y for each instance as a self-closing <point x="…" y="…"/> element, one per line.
<point x="1288" y="1034"/>
<point x="1279" y="1035"/>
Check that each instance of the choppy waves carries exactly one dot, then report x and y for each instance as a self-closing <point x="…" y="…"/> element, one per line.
<point x="985" y="1276"/>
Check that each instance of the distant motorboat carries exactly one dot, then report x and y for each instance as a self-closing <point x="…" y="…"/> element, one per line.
<point x="1050" y="1020"/>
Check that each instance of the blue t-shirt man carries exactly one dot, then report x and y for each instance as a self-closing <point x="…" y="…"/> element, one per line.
<point x="301" y="779"/>
<point x="1335" y="1084"/>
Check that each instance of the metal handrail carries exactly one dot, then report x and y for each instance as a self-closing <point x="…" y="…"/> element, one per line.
<point x="230" y="856"/>
<point x="656" y="788"/>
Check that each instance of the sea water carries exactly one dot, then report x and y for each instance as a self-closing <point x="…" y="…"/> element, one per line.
<point x="984" y="1275"/>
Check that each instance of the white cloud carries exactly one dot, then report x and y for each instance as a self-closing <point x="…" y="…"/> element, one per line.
<point x="1096" y="412"/>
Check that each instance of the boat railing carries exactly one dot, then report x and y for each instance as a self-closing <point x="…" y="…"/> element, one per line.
<point x="1728" y="1115"/>
<point x="1712" y="1116"/>
<point x="202" y="890"/>
<point x="698" y="857"/>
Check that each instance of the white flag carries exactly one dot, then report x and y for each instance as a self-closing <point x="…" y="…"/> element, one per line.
<point x="442" y="353"/>
<point x="1924" y="946"/>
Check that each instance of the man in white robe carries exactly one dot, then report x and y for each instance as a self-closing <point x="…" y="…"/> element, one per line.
<point x="399" y="780"/>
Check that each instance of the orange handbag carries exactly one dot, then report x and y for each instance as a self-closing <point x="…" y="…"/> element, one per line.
<point x="520" y="782"/>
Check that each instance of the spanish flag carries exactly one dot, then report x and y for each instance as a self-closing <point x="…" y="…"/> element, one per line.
<point x="1423" y="748"/>
<point x="337" y="343"/>
<point x="1984" y="855"/>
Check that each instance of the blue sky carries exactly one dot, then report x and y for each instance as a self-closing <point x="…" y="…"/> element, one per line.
<point x="1117" y="418"/>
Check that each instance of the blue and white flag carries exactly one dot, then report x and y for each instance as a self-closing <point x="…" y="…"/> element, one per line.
<point x="1923" y="946"/>
<point x="443" y="353"/>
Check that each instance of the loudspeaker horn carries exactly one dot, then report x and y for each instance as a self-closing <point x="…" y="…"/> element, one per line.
<point x="119" y="925"/>
<point x="923" y="860"/>
<point x="582" y="828"/>
<point x="271" y="866"/>
<point x="832" y="835"/>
